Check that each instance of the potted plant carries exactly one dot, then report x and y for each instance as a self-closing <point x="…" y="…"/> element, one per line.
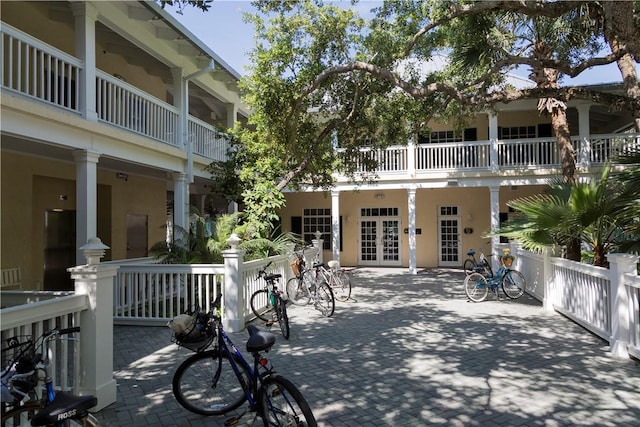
<point x="507" y="258"/>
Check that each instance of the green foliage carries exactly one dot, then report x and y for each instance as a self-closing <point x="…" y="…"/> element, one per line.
<point x="204" y="5"/>
<point x="203" y="246"/>
<point x="602" y="213"/>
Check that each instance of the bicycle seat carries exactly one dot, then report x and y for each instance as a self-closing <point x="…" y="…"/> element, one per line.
<point x="471" y="252"/>
<point x="64" y="406"/>
<point x="334" y="263"/>
<point x="259" y="340"/>
<point x="272" y="277"/>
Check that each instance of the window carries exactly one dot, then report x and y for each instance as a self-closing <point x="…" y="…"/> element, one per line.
<point x="317" y="220"/>
<point x="517" y="132"/>
<point x="444" y="136"/>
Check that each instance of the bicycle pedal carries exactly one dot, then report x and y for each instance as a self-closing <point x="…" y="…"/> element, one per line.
<point x="269" y="323"/>
<point x="232" y="422"/>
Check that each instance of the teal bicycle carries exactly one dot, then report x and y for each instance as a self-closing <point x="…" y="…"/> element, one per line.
<point x="477" y="285"/>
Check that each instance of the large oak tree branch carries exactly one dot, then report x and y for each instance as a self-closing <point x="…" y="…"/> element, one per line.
<point x="466" y="96"/>
<point x="531" y="8"/>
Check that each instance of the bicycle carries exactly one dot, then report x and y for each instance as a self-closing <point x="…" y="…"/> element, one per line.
<point x="477" y="285"/>
<point x="471" y="265"/>
<point x="268" y="304"/>
<point x="220" y="380"/>
<point x="28" y="394"/>
<point x="306" y="287"/>
<point x="338" y="279"/>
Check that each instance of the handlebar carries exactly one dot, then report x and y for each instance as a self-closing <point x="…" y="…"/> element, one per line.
<point x="263" y="272"/>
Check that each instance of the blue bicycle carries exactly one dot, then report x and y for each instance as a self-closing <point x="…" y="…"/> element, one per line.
<point x="218" y="380"/>
<point x="477" y="285"/>
<point x="23" y="403"/>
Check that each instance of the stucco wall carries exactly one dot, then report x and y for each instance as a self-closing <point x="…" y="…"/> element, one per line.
<point x="31" y="186"/>
<point x="474" y="212"/>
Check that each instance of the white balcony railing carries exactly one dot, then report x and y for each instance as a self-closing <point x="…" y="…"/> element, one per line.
<point x="38" y="70"/>
<point x="207" y="141"/>
<point x="125" y="106"/>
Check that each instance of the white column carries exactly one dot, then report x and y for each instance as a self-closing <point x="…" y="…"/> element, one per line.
<point x="232" y="115"/>
<point x="85" y="16"/>
<point x="96" y="281"/>
<point x="234" y="290"/>
<point x="584" y="131"/>
<point x="335" y="223"/>
<point x="493" y="138"/>
<point x="179" y="102"/>
<point x="180" y="201"/>
<point x="411" y="202"/>
<point x="495" y="220"/>
<point x="411" y="156"/>
<point x="619" y="265"/>
<point x="86" y="198"/>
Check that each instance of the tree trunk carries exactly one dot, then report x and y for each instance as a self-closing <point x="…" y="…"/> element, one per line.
<point x="548" y="78"/>
<point x="563" y="135"/>
<point x="621" y="32"/>
<point x="573" y="250"/>
<point x="599" y="257"/>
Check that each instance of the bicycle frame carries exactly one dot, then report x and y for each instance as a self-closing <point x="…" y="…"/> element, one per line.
<point x="225" y="344"/>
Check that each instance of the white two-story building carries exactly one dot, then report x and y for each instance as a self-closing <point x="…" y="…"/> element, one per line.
<point x="111" y="110"/>
<point x="441" y="194"/>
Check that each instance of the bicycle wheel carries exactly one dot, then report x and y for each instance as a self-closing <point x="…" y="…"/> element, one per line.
<point x="468" y="266"/>
<point x="200" y="388"/>
<point x="341" y="285"/>
<point x="282" y="404"/>
<point x="261" y="305"/>
<point x="476" y="287"/>
<point x="513" y="284"/>
<point x="296" y="291"/>
<point x="283" y="319"/>
<point x="324" y="300"/>
<point x="20" y="415"/>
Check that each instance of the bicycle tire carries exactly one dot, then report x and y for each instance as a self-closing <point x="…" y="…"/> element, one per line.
<point x="325" y="302"/>
<point x="283" y="318"/>
<point x="282" y="404"/>
<point x="296" y="291"/>
<point x="513" y="284"/>
<point x="257" y="302"/>
<point x="469" y="266"/>
<point x="194" y="389"/>
<point x="20" y="415"/>
<point x="341" y="286"/>
<point x="476" y="287"/>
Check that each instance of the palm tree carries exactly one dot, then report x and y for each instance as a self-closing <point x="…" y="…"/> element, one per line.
<point x="601" y="213"/>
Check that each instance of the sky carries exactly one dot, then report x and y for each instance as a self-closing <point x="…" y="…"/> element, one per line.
<point x="222" y="29"/>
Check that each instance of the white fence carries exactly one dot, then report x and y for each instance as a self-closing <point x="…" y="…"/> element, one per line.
<point x="603" y="300"/>
<point x="151" y="293"/>
<point x="27" y="314"/>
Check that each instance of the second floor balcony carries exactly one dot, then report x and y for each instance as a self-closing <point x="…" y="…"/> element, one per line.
<point x="44" y="73"/>
<point x="39" y="71"/>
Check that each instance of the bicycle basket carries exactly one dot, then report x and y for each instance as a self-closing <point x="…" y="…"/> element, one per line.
<point x="193" y="332"/>
<point x="297" y="266"/>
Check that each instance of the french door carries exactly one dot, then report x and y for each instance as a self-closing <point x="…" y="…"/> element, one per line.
<point x="449" y="250"/>
<point x="380" y="237"/>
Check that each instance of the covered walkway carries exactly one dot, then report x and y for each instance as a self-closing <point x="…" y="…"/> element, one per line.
<point x="409" y="350"/>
